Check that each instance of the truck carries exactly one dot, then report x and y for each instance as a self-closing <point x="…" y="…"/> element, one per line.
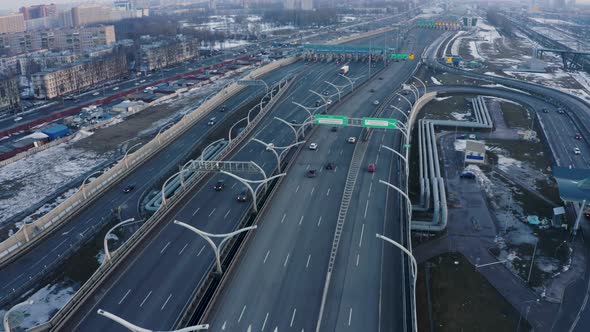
<point x="344" y="70"/>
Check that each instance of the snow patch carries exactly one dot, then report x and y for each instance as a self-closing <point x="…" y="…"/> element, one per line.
<point x="435" y="81"/>
<point x="460" y="116"/>
<point x="504" y="163"/>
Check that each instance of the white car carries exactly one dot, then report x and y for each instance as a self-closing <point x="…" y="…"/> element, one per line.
<point x="329" y="101"/>
<point x="577" y="151"/>
<point x="142" y="81"/>
<point x="96" y="93"/>
<point x="116" y="88"/>
<point x="313" y="146"/>
<point x="352" y="140"/>
<point x="376" y="102"/>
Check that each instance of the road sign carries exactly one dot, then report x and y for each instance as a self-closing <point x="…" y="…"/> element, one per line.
<point x="335" y="120"/>
<point x="383" y="123"/>
<point x="411" y="56"/>
<point x="407" y="146"/>
<point x="449" y="59"/>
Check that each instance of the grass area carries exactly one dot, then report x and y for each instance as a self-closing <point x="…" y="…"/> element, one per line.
<point x="533" y="153"/>
<point x="515" y="116"/>
<point x="462" y="299"/>
<point x="441" y="110"/>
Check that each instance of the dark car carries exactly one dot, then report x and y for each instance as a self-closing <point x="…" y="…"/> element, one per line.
<point x="244" y="195"/>
<point x="334" y="129"/>
<point x="372" y="90"/>
<point x="129" y="188"/>
<point x="330" y="166"/>
<point x="219" y="185"/>
<point x="545" y="110"/>
<point x="587" y="213"/>
<point x="317" y="103"/>
<point x="311" y="173"/>
<point x="467" y="175"/>
<point x="293" y="121"/>
<point x="222" y="108"/>
<point x="560" y="111"/>
<point x="578" y="136"/>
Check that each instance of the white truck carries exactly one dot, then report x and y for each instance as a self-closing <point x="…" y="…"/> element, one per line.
<point x="344" y="70"/>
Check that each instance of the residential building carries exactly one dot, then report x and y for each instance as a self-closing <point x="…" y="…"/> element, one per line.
<point x="163" y="54"/>
<point x="9" y="94"/>
<point x="12" y="23"/>
<point x="87" y="15"/>
<point x="38" y="11"/>
<point x="75" y="40"/>
<point x="298" y="4"/>
<point x="71" y="78"/>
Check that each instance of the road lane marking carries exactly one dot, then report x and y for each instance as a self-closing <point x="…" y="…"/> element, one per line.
<point x="341" y="150"/>
<point x="370" y="187"/>
<point x="197" y="210"/>
<point x="212" y="211"/>
<point x="349" y="316"/>
<point x="263" y="164"/>
<point x="319" y="221"/>
<point x="293" y="317"/>
<point x="328" y="193"/>
<point x="232" y="187"/>
<point x="366" y="207"/>
<point x="62" y="242"/>
<point x="142" y="302"/>
<point x="265" y="257"/>
<point x="362" y="232"/>
<point x="377" y="159"/>
<point x="242" y="313"/>
<point x="228" y="211"/>
<point x="223" y="326"/>
<point x="166" y="246"/>
<point x="284" y="215"/>
<point x="125" y="296"/>
<point x="312" y="190"/>
<point x="300" y="220"/>
<point x="297" y="189"/>
<point x="200" y="251"/>
<point x="180" y="253"/>
<point x="264" y="323"/>
<point x="307" y="167"/>
<point x="286" y="259"/>
<point x="39" y="261"/>
<point x="335" y="168"/>
<point x="373" y="176"/>
<point x="308" y="258"/>
<point x="357" y="259"/>
<point x="168" y="299"/>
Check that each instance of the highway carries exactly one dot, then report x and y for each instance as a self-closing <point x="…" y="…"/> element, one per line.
<point x="288" y="255"/>
<point x="17" y="276"/>
<point x="171" y="262"/>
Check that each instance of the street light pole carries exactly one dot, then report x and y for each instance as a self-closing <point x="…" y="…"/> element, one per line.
<point x="83" y="186"/>
<point x="135" y="328"/>
<point x="7" y="314"/>
<point x="127" y="152"/>
<point x="105" y="240"/>
<point x="406" y="99"/>
<point x="423" y="84"/>
<point x="207" y="237"/>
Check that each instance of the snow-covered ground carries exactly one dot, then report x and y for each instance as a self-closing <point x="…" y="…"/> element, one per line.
<point x="460" y="116"/>
<point x="474" y="51"/>
<point x="435" y="81"/>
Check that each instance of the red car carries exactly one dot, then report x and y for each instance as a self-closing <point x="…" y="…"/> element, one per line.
<point x="372" y="168"/>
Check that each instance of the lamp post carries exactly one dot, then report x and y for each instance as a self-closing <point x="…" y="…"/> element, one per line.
<point x="423" y="84"/>
<point x="408" y="201"/>
<point x="160" y="132"/>
<point x="7" y="314"/>
<point x="406" y="99"/>
<point x="83" y="186"/>
<point x="127" y="152"/>
<point x="271" y="147"/>
<point x="399" y="110"/>
<point x="135" y="328"/>
<point x="105" y="240"/>
<point x="208" y="236"/>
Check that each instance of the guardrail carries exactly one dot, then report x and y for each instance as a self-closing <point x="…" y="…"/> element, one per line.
<point x="102" y="272"/>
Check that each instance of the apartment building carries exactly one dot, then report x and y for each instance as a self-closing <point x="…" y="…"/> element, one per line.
<point x="89" y="14"/>
<point x="12" y="23"/>
<point x="9" y="94"/>
<point x="75" y="39"/>
<point x="71" y="78"/>
<point x="38" y="11"/>
<point x="163" y="54"/>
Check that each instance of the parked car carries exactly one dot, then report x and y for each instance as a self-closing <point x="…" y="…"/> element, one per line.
<point x="244" y="195"/>
<point x="313" y="146"/>
<point x="467" y="175"/>
<point x="577" y="151"/>
<point x="371" y="168"/>
<point x="129" y="188"/>
<point x="311" y="173"/>
<point x="472" y="136"/>
<point x="352" y="140"/>
<point x="219" y="185"/>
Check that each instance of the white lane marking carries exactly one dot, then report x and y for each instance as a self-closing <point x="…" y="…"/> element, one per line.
<point x="197" y="210"/>
<point x="166" y="246"/>
<point x="377" y="159"/>
<point x="362" y="232"/>
<point x="297" y="189"/>
<point x="263" y="164"/>
<point x="328" y="193"/>
<point x="124" y="296"/>
<point x="372" y="176"/>
<point x="312" y="190"/>
<point x="265" y="257"/>
<point x="370" y="187"/>
<point x="283" y="219"/>
<point x="300" y="220"/>
<point x="308" y="258"/>
<point x="180" y="253"/>
<point x="212" y="211"/>
<point x="264" y="323"/>
<point x="349" y="316"/>
<point x="232" y="187"/>
<point x="335" y="168"/>
<point x="241" y="314"/>
<point x="168" y="299"/>
<point x="286" y="259"/>
<point x="319" y="221"/>
<point x="223" y="326"/>
<point x="200" y="251"/>
<point x="358" y="256"/>
<point x="228" y="211"/>
<point x="59" y="245"/>
<point x="293" y="317"/>
<point x="307" y="167"/>
<point x="341" y="150"/>
<point x="142" y="302"/>
<point x="366" y="207"/>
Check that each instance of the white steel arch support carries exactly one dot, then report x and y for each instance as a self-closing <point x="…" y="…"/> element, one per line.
<point x="207" y="237"/>
<point x="106" y="242"/>
<point x="159" y="135"/>
<point x="163" y="191"/>
<point x="290" y="126"/>
<point x="417" y="91"/>
<point x="421" y="81"/>
<point x="273" y="149"/>
<point x="83" y="186"/>
<point x="409" y="87"/>
<point x="401" y="192"/>
<point x="338" y="88"/>
<point x="406" y="99"/>
<point x="319" y="94"/>
<point x="235" y="124"/>
<point x="127" y="153"/>
<point x="135" y="328"/>
<point x="247" y="183"/>
<point x="399" y="110"/>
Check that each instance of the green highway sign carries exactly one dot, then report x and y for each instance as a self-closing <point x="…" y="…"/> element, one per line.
<point x="402" y="56"/>
<point x="335" y="120"/>
<point x="380" y="123"/>
<point x="407" y="145"/>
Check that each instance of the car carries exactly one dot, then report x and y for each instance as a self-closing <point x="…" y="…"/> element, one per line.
<point x="129" y="188"/>
<point x="219" y="185"/>
<point x="376" y="102"/>
<point x="222" y="108"/>
<point x="313" y="146"/>
<point x="329" y="102"/>
<point x="372" y="90"/>
<point x="317" y="103"/>
<point x="560" y="111"/>
<point x="371" y="168"/>
<point x="545" y="110"/>
<point x="116" y="88"/>
<point x="334" y="129"/>
<point x="472" y="136"/>
<point x="142" y="81"/>
<point x="136" y="83"/>
<point x="326" y="93"/>
<point x="311" y="173"/>
<point x="577" y="151"/>
<point x="211" y="122"/>
<point x="462" y="136"/>
<point x="380" y="78"/>
<point x="244" y="195"/>
<point x="330" y="166"/>
<point x="467" y="175"/>
<point x="352" y="139"/>
<point x="578" y="136"/>
<point x="96" y="93"/>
